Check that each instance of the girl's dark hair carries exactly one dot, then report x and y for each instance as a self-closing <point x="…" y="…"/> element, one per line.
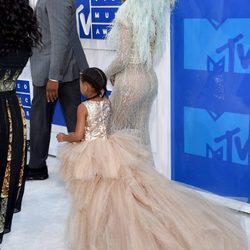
<point x="96" y="78"/>
<point x="18" y="26"/>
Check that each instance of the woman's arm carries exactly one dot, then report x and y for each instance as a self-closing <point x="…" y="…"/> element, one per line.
<point x="123" y="52"/>
<point x="79" y="133"/>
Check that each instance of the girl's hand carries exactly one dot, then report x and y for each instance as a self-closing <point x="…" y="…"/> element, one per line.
<point x="60" y="137"/>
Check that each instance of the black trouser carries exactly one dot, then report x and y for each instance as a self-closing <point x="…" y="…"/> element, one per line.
<point x="12" y="158"/>
<point x="41" y="118"/>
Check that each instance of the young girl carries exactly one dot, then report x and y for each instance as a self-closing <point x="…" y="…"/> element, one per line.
<point x="120" y="202"/>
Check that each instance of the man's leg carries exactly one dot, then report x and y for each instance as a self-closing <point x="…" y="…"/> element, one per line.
<point x="70" y="98"/>
<point x="40" y="129"/>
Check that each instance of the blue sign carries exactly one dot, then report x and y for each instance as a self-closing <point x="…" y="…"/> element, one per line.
<point x="94" y="17"/>
<point x="23" y="91"/>
<point x="22" y="86"/>
<point x="229" y="47"/>
<point x="211" y="96"/>
<point x="223" y="138"/>
<point x="25" y="99"/>
<point x="58" y="118"/>
<point x="27" y="112"/>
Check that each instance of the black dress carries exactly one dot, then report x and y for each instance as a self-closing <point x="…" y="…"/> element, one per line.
<point x="12" y="139"/>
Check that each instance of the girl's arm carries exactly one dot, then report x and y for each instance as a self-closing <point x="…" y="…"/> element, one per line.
<point x="79" y="133"/>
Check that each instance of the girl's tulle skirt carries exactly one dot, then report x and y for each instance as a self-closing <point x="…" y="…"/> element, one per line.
<point x="121" y="203"/>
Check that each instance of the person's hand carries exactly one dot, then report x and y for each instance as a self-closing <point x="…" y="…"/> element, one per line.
<point x="52" y="90"/>
<point x="60" y="137"/>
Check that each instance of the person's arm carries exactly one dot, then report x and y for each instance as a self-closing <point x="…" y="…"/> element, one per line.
<point x="79" y="133"/>
<point x="60" y="18"/>
<point x="60" y="22"/>
<point x="123" y="52"/>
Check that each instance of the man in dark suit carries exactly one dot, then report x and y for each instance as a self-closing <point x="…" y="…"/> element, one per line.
<point x="55" y="70"/>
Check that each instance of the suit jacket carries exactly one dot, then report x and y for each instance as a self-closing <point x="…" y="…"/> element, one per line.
<point x="60" y="57"/>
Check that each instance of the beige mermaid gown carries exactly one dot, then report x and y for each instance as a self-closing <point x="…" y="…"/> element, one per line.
<point x="121" y="203"/>
<point x="135" y="88"/>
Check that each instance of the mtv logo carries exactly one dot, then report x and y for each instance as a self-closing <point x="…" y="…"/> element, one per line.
<point x="214" y="66"/>
<point x="93" y="13"/>
<point x="216" y="138"/>
<point x="215" y="154"/>
<point x="207" y="41"/>
<point x="83" y="18"/>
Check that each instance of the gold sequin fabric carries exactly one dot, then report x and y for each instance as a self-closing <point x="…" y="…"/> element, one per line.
<point x="13" y="139"/>
<point x="24" y="144"/>
<point x="98" y="118"/>
<point x="6" y="182"/>
<point x="8" y="79"/>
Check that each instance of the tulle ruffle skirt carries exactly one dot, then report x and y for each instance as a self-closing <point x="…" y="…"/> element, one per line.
<point x="121" y="203"/>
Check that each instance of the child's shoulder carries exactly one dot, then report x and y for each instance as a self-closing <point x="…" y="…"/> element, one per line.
<point x="82" y="105"/>
<point x="82" y="108"/>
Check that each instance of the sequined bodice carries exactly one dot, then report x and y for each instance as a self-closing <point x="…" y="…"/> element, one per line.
<point x="8" y="78"/>
<point x="98" y="119"/>
<point x="11" y="67"/>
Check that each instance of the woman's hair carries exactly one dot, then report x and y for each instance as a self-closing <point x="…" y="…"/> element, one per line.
<point x="96" y="78"/>
<point x="18" y="26"/>
<point x="147" y="19"/>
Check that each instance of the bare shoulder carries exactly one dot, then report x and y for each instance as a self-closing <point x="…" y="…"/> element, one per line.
<point x="82" y="109"/>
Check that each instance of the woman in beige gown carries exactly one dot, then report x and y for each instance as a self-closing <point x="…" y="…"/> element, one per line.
<point x="119" y="201"/>
<point x="132" y="70"/>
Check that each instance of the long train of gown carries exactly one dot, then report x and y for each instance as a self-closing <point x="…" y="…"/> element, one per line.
<point x="121" y="203"/>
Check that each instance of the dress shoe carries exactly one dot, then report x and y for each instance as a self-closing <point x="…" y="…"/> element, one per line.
<point x="36" y="174"/>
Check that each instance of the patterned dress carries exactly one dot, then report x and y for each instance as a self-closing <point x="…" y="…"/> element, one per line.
<point x="12" y="139"/>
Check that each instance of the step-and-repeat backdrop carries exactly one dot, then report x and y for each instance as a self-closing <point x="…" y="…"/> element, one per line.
<point x="210" y="48"/>
<point x="94" y="18"/>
